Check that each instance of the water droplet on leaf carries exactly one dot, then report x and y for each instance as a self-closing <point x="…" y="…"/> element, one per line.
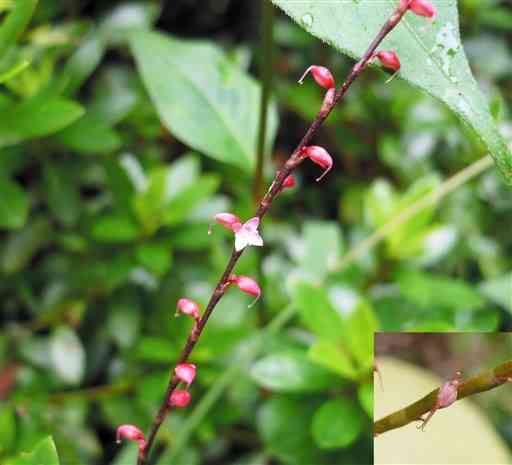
<point x="307" y="20"/>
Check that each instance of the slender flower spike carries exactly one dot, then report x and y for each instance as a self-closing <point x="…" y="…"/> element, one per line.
<point x="247" y="285"/>
<point x="185" y="372"/>
<point x="446" y="396"/>
<point x="389" y="59"/>
<point x="247" y="234"/>
<point x="320" y="156"/>
<point x="179" y="398"/>
<point x="321" y="75"/>
<point x="188" y="307"/>
<point x="131" y="433"/>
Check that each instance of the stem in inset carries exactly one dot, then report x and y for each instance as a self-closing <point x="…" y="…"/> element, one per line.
<point x="480" y="383"/>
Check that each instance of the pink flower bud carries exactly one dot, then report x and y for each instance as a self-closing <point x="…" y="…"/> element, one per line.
<point x="247" y="285"/>
<point x="188" y="307"/>
<point x="289" y="182"/>
<point x="179" y="398"/>
<point x="185" y="372"/>
<point x="389" y="59"/>
<point x="320" y="156"/>
<point x="423" y="8"/>
<point x="228" y="220"/>
<point x="131" y="433"/>
<point x="321" y="75"/>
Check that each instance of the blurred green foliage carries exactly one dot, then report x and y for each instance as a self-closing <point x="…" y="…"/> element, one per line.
<point x="118" y="145"/>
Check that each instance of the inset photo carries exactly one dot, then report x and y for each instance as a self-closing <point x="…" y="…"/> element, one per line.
<point x="443" y="398"/>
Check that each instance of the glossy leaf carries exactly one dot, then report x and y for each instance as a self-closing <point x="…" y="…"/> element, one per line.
<point x="201" y="97"/>
<point x="432" y="55"/>
<point x="290" y="371"/>
<point x="337" y="423"/>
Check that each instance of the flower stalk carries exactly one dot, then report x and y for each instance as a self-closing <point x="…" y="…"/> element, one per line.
<point x="333" y="96"/>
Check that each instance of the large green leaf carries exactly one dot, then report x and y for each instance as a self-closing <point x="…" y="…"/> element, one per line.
<point x="204" y="99"/>
<point x="432" y="55"/>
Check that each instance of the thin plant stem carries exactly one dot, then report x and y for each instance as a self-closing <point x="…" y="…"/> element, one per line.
<point x="405" y="215"/>
<point x="480" y="383"/>
<point x="266" y="69"/>
<point x="295" y="159"/>
<point x="225" y="380"/>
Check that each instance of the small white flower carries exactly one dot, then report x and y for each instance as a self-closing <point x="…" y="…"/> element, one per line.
<point x="247" y="234"/>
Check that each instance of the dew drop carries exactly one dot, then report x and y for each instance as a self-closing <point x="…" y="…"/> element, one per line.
<point x="307" y="20"/>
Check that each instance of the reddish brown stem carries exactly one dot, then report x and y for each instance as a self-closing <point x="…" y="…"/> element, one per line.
<point x="288" y="167"/>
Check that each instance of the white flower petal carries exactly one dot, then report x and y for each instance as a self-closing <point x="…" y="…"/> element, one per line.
<point x="255" y="239"/>
<point x="241" y="241"/>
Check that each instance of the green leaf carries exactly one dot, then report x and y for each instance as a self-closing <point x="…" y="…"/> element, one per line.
<point x="36" y="117"/>
<point x="365" y="396"/>
<point x="14" y="206"/>
<point x="432" y="55"/>
<point x="428" y="290"/>
<point x="212" y="107"/>
<point x="165" y="185"/>
<point x="317" y="312"/>
<point x="155" y="256"/>
<point x="83" y="62"/>
<point x="13" y="70"/>
<point x="284" y="425"/>
<point x="22" y="245"/>
<point x="127" y="17"/>
<point x="290" y="371"/>
<point x="333" y="357"/>
<point x="499" y="290"/>
<point x="44" y="453"/>
<point x="114" y="228"/>
<point x="337" y="423"/>
<point x="15" y="22"/>
<point x="179" y="207"/>
<point x="322" y="249"/>
<point x="62" y="192"/>
<point x="360" y="324"/>
<point x="90" y="135"/>
<point x="67" y="355"/>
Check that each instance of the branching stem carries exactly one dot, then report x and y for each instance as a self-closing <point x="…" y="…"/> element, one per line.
<point x="288" y="167"/>
<point x="480" y="383"/>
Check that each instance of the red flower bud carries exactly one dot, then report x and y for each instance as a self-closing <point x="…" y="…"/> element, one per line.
<point x="228" y="220"/>
<point x="321" y="75"/>
<point x="320" y="156"/>
<point x="188" y="307"/>
<point x="389" y="60"/>
<point x="289" y="182"/>
<point x="185" y="372"/>
<point x="131" y="433"/>
<point x="179" y="398"/>
<point x="423" y="8"/>
<point x="247" y="285"/>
